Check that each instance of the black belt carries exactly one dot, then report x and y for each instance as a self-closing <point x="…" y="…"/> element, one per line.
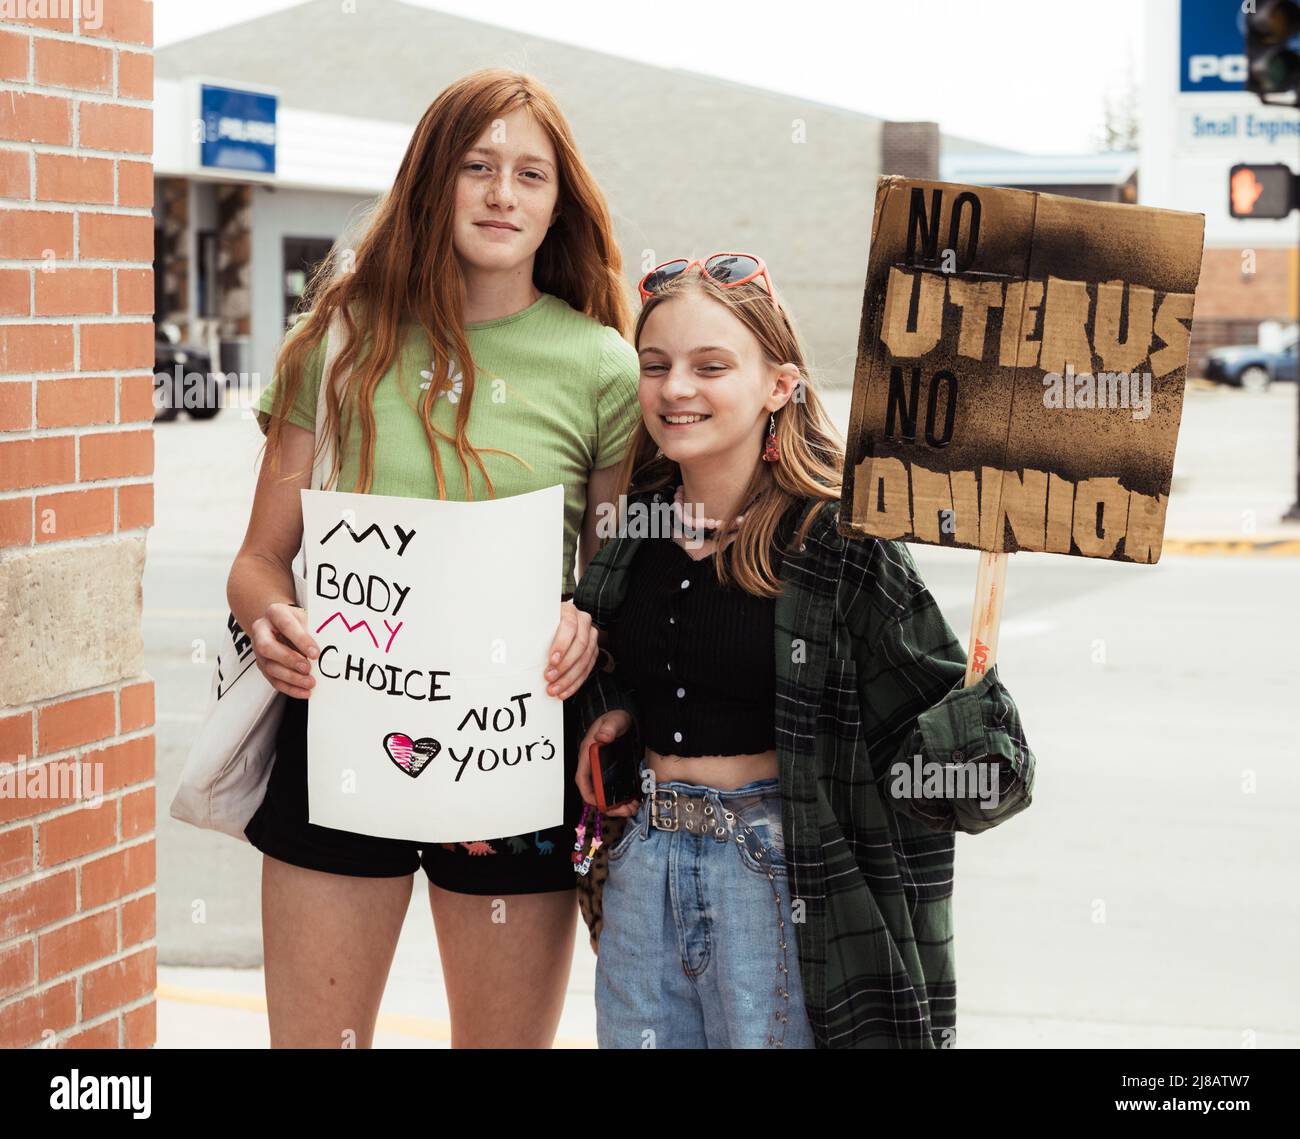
<point x="674" y="810"/>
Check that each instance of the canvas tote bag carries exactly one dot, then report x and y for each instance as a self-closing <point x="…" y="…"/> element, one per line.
<point x="229" y="763"/>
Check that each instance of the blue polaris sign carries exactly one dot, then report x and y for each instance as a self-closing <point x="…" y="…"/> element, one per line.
<point x="1212" y="46"/>
<point x="238" y="130"/>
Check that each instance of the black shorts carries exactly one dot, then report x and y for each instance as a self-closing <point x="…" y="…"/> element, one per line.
<point x="519" y="864"/>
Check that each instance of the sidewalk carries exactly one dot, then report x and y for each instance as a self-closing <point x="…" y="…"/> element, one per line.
<point x="1234" y="472"/>
<point x="1166" y="973"/>
<point x="225" y="1008"/>
<point x="211" y="1007"/>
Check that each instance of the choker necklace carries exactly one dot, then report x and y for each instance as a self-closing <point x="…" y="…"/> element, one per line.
<point x="707" y="527"/>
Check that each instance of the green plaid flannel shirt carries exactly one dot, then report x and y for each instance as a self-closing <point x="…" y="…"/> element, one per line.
<point x="868" y="674"/>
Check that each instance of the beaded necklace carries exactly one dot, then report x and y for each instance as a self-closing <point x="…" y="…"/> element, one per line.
<point x="706" y="527"/>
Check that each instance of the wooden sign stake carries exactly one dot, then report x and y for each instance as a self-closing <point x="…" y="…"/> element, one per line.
<point x="990" y="588"/>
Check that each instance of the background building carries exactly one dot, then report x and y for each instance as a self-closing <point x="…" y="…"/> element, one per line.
<point x="1109" y="177"/>
<point x="1197" y="122"/>
<point x="792" y="180"/>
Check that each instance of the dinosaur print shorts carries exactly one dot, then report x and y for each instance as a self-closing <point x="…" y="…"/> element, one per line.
<point x="518" y="864"/>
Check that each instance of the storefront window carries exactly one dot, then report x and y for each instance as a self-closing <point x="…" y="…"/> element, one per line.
<point x="301" y="257"/>
<point x="207" y="272"/>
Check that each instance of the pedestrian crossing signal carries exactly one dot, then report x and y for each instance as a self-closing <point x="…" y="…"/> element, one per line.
<point x="1261" y="190"/>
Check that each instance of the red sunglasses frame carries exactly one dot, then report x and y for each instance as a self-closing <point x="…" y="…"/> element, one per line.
<point x="702" y="264"/>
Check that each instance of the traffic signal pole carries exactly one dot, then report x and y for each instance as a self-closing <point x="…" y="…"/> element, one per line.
<point x="1271" y="29"/>
<point x="1293" y="515"/>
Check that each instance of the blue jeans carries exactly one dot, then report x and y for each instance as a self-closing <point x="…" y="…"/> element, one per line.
<point x="698" y="949"/>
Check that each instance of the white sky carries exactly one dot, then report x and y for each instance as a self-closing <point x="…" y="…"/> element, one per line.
<point x="1027" y="74"/>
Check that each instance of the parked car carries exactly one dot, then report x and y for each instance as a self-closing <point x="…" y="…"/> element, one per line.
<point x="182" y="377"/>
<point x="1251" y="367"/>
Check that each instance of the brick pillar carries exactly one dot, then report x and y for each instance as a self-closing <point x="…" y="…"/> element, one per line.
<point x="910" y="150"/>
<point x="77" y="871"/>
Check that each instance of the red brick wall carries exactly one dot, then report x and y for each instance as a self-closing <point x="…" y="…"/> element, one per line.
<point x="1232" y="288"/>
<point x="77" y="876"/>
<point x="1238" y="289"/>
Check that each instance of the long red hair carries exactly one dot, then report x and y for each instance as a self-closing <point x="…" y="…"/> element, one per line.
<point x="404" y="268"/>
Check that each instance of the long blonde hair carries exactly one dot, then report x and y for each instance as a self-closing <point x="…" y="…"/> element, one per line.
<point x="812" y="453"/>
<point x="404" y="268"/>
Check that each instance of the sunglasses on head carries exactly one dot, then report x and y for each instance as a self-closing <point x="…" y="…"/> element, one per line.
<point x="727" y="269"/>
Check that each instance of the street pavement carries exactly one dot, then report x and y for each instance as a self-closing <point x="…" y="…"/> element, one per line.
<point x="1145" y="899"/>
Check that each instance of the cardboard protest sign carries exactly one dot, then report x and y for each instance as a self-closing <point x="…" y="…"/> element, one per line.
<point x="430" y="718"/>
<point x="1020" y="371"/>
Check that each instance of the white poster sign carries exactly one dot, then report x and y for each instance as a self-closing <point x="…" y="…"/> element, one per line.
<point x="430" y="718"/>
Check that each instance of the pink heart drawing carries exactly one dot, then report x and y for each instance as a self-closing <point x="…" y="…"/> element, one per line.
<point x="411" y="756"/>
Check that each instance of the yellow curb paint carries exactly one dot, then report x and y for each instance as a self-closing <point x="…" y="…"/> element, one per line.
<point x="212" y="997"/>
<point x="184" y="614"/>
<point x="415" y="1026"/>
<point x="1266" y="547"/>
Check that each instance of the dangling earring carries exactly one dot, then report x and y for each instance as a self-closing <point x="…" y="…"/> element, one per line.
<point x="772" y="449"/>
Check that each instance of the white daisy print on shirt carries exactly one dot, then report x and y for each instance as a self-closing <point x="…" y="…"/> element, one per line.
<point x="453" y="392"/>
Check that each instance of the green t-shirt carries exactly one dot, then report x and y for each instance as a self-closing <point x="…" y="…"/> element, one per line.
<point x="552" y="385"/>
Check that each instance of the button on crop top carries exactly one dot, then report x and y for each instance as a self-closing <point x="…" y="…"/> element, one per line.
<point x="696" y="657"/>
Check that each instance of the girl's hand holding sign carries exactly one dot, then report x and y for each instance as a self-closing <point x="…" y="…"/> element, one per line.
<point x="284" y="649"/>
<point x="573" y="652"/>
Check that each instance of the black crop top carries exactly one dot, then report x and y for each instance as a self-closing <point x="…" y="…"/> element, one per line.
<point x="695" y="656"/>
